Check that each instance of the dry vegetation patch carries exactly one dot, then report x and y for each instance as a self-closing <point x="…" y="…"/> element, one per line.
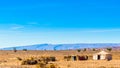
<point x="42" y="59"/>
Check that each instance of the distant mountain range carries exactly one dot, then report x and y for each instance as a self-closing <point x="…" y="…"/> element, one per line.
<point x="64" y="46"/>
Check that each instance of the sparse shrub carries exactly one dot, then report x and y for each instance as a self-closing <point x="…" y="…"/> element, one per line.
<point x="41" y="65"/>
<point x="18" y="58"/>
<point x="78" y="50"/>
<point x="67" y="58"/>
<point x="52" y="58"/>
<point x="51" y="66"/>
<point x="84" y="49"/>
<point x="39" y="62"/>
<point x="24" y="49"/>
<point x="29" y="62"/>
<point x="109" y="49"/>
<point x="45" y="59"/>
<point x="94" y="49"/>
<point x="14" y="49"/>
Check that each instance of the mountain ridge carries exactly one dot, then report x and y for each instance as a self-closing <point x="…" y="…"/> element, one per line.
<point x="63" y="46"/>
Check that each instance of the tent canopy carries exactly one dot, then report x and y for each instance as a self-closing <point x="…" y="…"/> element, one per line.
<point x="102" y="52"/>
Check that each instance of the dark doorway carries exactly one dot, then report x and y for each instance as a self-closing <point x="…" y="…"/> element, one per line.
<point x="98" y="57"/>
<point x="74" y="57"/>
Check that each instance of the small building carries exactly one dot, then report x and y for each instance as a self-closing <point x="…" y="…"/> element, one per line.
<point x="102" y="56"/>
<point x="74" y="58"/>
<point x="70" y="58"/>
<point x="84" y="57"/>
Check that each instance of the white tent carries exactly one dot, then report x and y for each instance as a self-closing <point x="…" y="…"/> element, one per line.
<point x="102" y="56"/>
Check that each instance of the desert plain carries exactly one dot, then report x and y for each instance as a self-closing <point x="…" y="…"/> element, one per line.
<point x="9" y="59"/>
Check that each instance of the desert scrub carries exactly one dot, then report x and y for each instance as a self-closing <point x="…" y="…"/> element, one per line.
<point x="102" y="67"/>
<point x="93" y="49"/>
<point x="52" y="58"/>
<point x="40" y="65"/>
<point x="44" y="60"/>
<point x="18" y="58"/>
<point x="109" y="49"/>
<point x="78" y="50"/>
<point x="47" y="59"/>
<point x="24" y="49"/>
<point x="14" y="49"/>
<point x="43" y="65"/>
<point x="29" y="62"/>
<point x="33" y="60"/>
<point x="51" y="66"/>
<point x="84" y="49"/>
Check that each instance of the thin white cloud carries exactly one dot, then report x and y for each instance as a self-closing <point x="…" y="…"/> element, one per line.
<point x="16" y="27"/>
<point x="37" y="23"/>
<point x="104" y="30"/>
<point x="33" y="23"/>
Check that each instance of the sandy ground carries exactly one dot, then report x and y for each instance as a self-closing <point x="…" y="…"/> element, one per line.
<point x="8" y="59"/>
<point x="90" y="64"/>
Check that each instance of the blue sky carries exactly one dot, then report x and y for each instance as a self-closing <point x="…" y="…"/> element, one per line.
<point x="27" y="22"/>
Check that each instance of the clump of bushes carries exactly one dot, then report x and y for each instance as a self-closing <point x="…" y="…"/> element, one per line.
<point x="52" y="58"/>
<point x="94" y="49"/>
<point x="29" y="62"/>
<point x="42" y="65"/>
<point x="51" y="66"/>
<point x="24" y="49"/>
<point x="41" y="62"/>
<point x="33" y="60"/>
<point x="84" y="49"/>
<point x="78" y="50"/>
<point x="109" y="49"/>
<point x="67" y="58"/>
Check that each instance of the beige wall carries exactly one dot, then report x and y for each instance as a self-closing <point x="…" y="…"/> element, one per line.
<point x="95" y="57"/>
<point x="102" y="57"/>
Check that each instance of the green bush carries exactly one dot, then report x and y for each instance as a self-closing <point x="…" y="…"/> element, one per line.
<point x="78" y="50"/>
<point x="41" y="65"/>
<point x="19" y="58"/>
<point x="94" y="49"/>
<point x="51" y="66"/>
<point x="14" y="49"/>
<point x="84" y="49"/>
<point x="41" y="62"/>
<point x="109" y="49"/>
<point x="29" y="62"/>
<point x="24" y="49"/>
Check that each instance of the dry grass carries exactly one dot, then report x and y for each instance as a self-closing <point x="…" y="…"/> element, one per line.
<point x="10" y="59"/>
